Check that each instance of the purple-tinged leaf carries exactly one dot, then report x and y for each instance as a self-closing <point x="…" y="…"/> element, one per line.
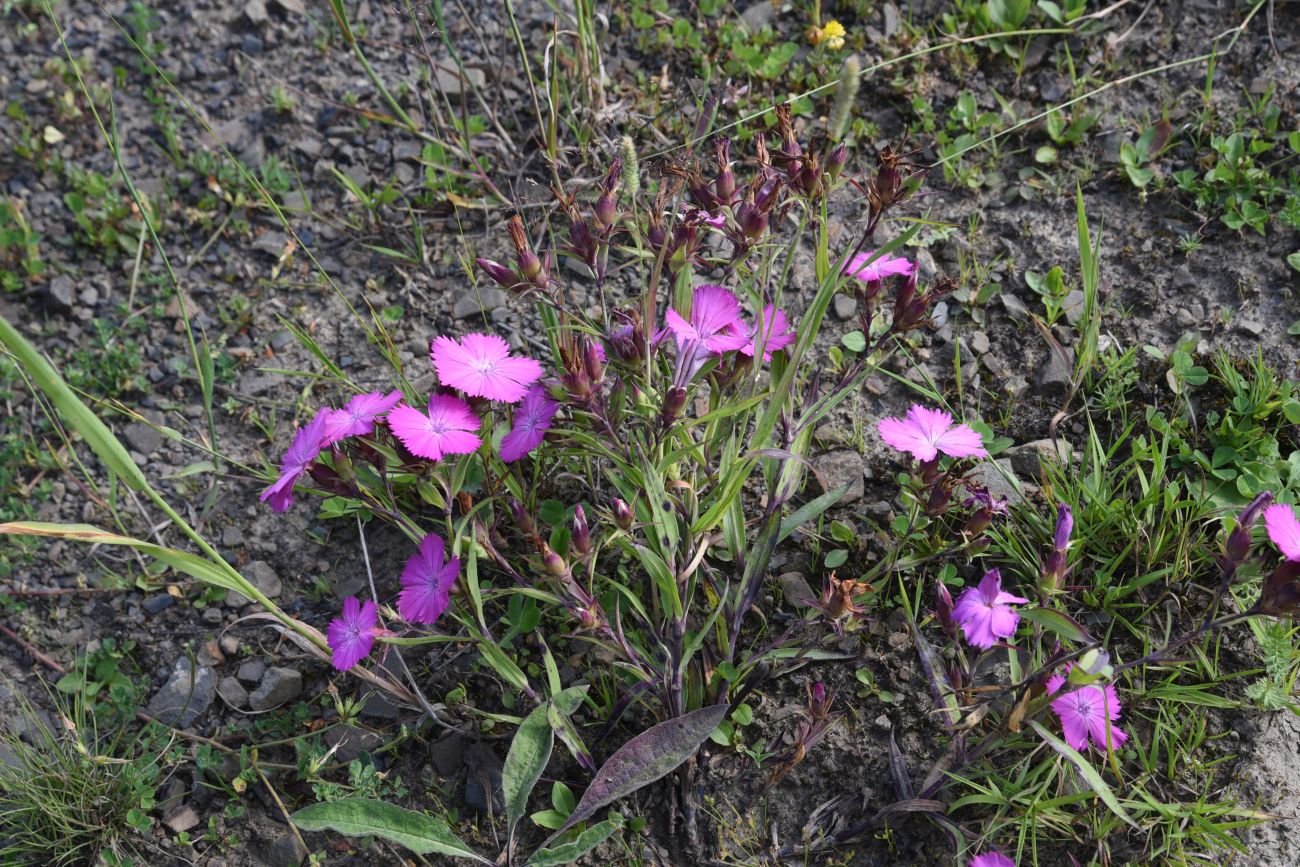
<point x="940" y="686"/>
<point x="653" y="754"/>
<point x="898" y="770"/>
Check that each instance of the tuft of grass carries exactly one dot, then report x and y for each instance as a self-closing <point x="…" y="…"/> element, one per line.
<point x="70" y="795"/>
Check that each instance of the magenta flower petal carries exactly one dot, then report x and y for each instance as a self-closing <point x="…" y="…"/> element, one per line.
<point x="715" y="320"/>
<point x="776" y="334"/>
<point x="358" y="415"/>
<point x="306" y="447"/>
<point x="991" y="859"/>
<point x="352" y="635"/>
<point x="1085" y="714"/>
<point x="863" y="269"/>
<point x="450" y="428"/>
<point x="984" y="612"/>
<point x="481" y="366"/>
<point x="426" y="582"/>
<point x="531" y="421"/>
<point x="1283" y="529"/>
<point x="926" y="432"/>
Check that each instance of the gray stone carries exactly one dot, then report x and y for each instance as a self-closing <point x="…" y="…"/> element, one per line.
<point x="285" y="850"/>
<point x="183" y="818"/>
<point x="450" y="83"/>
<point x="263" y="577"/>
<point x="1015" y="308"/>
<point x="845" y="306"/>
<point x="448" y="754"/>
<point x="229" y="645"/>
<point x="999" y="477"/>
<point x="1029" y="458"/>
<point x="839" y="467"/>
<point x="233" y="692"/>
<point x="795" y="589"/>
<point x="1072" y="305"/>
<point x="143" y="438"/>
<point x="1253" y="327"/>
<point x="979" y="341"/>
<point x="758" y="15"/>
<point x="473" y="303"/>
<point x="61" y="293"/>
<point x="1056" y="374"/>
<point x="158" y="604"/>
<point x="278" y="686"/>
<point x="250" y="673"/>
<point x="352" y="742"/>
<point x="483" y="773"/>
<point x="185" y="696"/>
<point x="891" y="19"/>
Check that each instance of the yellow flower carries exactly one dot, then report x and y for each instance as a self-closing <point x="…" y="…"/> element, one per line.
<point x="832" y="33"/>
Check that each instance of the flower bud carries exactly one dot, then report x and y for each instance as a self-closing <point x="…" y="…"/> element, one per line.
<point x="725" y="185"/>
<point x="581" y="532"/>
<point x="1237" y="547"/>
<point x="753" y="222"/>
<point x="943" y="607"/>
<point x="674" y="402"/>
<point x="1064" y="527"/>
<point x="978" y="522"/>
<point x="622" y="514"/>
<point x="594" y="357"/>
<point x="529" y="265"/>
<point x="940" y="497"/>
<point x="605" y="210"/>
<point x="553" y="562"/>
<point x="588" y="616"/>
<point x="836" y="160"/>
<point x="503" y="276"/>
<point x="523" y="520"/>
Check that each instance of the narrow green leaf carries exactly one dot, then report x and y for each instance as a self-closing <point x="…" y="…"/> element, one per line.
<point x="530" y="750"/>
<point x="1086" y="770"/>
<point x="567" y="853"/>
<point x="96" y="434"/>
<point x="649" y="756"/>
<point x="1054" y="621"/>
<point x="182" y="561"/>
<point x="504" y="665"/>
<point x="810" y="510"/>
<point x="362" y="817"/>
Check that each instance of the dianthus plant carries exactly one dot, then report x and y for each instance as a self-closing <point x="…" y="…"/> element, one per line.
<point x="668" y="404"/>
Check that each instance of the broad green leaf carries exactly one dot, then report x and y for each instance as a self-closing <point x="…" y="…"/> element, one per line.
<point x="530" y="750"/>
<point x="649" y="756"/>
<point x="96" y="434"/>
<point x="1086" y="770"/>
<point x="567" y="853"/>
<point x="362" y="817"/>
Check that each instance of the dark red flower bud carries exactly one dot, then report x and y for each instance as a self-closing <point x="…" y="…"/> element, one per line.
<point x="622" y="514"/>
<point x="674" y="402"/>
<point x="503" y="276"/>
<point x="943" y="607"/>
